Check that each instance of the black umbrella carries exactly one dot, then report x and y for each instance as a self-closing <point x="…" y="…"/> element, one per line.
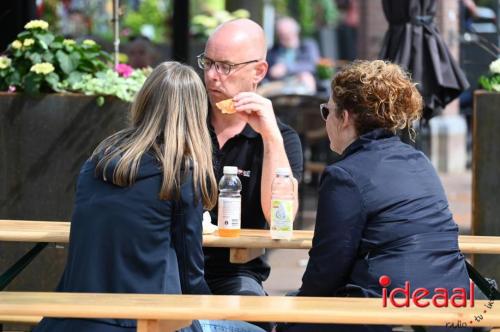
<point x="413" y="42"/>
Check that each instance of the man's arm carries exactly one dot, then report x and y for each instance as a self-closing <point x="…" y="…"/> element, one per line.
<point x="261" y="118"/>
<point x="274" y="157"/>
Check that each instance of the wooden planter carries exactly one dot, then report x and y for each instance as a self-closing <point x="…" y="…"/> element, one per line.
<point x="43" y="142"/>
<point x="486" y="175"/>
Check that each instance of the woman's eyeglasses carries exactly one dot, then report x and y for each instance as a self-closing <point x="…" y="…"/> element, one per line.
<point x="324" y="111"/>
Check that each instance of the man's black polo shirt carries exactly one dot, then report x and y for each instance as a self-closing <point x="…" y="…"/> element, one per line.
<point x="246" y="151"/>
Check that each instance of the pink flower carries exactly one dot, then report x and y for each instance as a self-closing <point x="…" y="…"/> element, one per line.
<point x="12" y="89"/>
<point x="124" y="70"/>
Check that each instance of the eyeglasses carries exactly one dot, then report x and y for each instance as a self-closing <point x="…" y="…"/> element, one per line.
<point x="221" y="67"/>
<point x="324" y="111"/>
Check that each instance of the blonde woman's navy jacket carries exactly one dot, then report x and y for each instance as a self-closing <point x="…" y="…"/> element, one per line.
<point x="381" y="211"/>
<point x="127" y="240"/>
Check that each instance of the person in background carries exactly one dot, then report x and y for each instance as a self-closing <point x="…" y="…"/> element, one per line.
<point x="76" y="25"/>
<point x="252" y="139"/>
<point x="141" y="53"/>
<point x="347" y="29"/>
<point x="291" y="58"/>
<point x="137" y="219"/>
<point x="382" y="209"/>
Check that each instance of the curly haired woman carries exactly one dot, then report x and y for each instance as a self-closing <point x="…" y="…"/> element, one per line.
<point x="382" y="209"/>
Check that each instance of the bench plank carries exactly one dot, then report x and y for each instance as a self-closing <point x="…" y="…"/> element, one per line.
<point x="178" y="308"/>
<point x="58" y="232"/>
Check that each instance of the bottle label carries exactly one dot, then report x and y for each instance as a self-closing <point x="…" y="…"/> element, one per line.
<point x="281" y="215"/>
<point x="229" y="216"/>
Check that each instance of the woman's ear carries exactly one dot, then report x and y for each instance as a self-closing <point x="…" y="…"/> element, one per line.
<point x="345" y="119"/>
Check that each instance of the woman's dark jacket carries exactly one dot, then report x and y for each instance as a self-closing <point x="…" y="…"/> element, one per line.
<point x="127" y="240"/>
<point x="382" y="211"/>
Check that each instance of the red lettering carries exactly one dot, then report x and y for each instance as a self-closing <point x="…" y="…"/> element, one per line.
<point x="419" y="294"/>
<point x="405" y="291"/>
<point x="459" y="294"/>
<point x="384" y="297"/>
<point x="440" y="294"/>
<point x="471" y="292"/>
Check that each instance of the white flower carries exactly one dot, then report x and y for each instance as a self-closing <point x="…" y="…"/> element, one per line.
<point x="43" y="68"/>
<point x="69" y="42"/>
<point x="28" y="42"/>
<point x="4" y="62"/>
<point x="16" y="44"/>
<point x="495" y="66"/>
<point x="89" y="42"/>
<point x="37" y="24"/>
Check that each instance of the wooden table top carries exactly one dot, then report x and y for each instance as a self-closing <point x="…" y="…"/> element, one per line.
<point x="58" y="232"/>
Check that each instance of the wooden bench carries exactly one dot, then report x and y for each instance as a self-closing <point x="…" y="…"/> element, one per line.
<point x="249" y="245"/>
<point x="170" y="312"/>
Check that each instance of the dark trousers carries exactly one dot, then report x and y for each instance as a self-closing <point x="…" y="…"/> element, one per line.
<point x="239" y="285"/>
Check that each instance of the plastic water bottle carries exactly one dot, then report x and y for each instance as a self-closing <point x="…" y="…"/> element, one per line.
<point x="229" y="213"/>
<point x="282" y="201"/>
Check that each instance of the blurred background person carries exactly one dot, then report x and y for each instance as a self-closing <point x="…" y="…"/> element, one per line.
<point x="141" y="53"/>
<point x="347" y="30"/>
<point x="292" y="58"/>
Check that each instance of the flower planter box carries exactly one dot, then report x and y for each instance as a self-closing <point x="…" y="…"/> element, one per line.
<point x="486" y="175"/>
<point x="43" y="142"/>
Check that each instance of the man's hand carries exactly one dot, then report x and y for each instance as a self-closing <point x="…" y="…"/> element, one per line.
<point x="258" y="112"/>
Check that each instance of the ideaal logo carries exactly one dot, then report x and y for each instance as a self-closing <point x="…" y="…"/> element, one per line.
<point x="400" y="297"/>
<point x="440" y="299"/>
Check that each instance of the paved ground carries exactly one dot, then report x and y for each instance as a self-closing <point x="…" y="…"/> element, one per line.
<point x="288" y="265"/>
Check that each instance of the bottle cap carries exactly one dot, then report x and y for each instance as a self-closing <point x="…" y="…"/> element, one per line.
<point x="283" y="171"/>
<point x="230" y="170"/>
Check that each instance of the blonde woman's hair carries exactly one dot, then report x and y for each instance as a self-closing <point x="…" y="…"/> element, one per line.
<point x="380" y="94"/>
<point x="168" y="118"/>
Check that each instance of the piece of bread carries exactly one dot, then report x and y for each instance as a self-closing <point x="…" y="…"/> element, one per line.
<point x="226" y="106"/>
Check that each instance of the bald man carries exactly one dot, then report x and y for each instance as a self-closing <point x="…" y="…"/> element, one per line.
<point x="251" y="139"/>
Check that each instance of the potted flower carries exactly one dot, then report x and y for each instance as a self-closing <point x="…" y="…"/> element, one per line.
<point x="38" y="61"/>
<point x="324" y="72"/>
<point x="491" y="82"/>
<point x="49" y="125"/>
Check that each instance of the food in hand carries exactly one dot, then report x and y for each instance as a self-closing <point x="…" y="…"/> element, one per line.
<point x="226" y="106"/>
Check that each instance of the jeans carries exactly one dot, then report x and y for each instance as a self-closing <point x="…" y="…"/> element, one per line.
<point x="228" y="326"/>
<point x="239" y="285"/>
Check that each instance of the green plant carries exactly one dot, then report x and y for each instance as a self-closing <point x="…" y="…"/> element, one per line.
<point x="39" y="61"/>
<point x="310" y="14"/>
<point x="325" y="69"/>
<point x="491" y="82"/>
<point x="110" y="83"/>
<point x="204" y="24"/>
<point x="149" y="20"/>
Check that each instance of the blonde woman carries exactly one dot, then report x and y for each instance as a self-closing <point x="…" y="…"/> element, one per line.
<point x="136" y="225"/>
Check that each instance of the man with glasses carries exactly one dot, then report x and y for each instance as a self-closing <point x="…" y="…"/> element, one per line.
<point x="251" y="139"/>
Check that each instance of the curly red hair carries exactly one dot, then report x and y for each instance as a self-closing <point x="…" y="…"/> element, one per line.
<point x="379" y="94"/>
